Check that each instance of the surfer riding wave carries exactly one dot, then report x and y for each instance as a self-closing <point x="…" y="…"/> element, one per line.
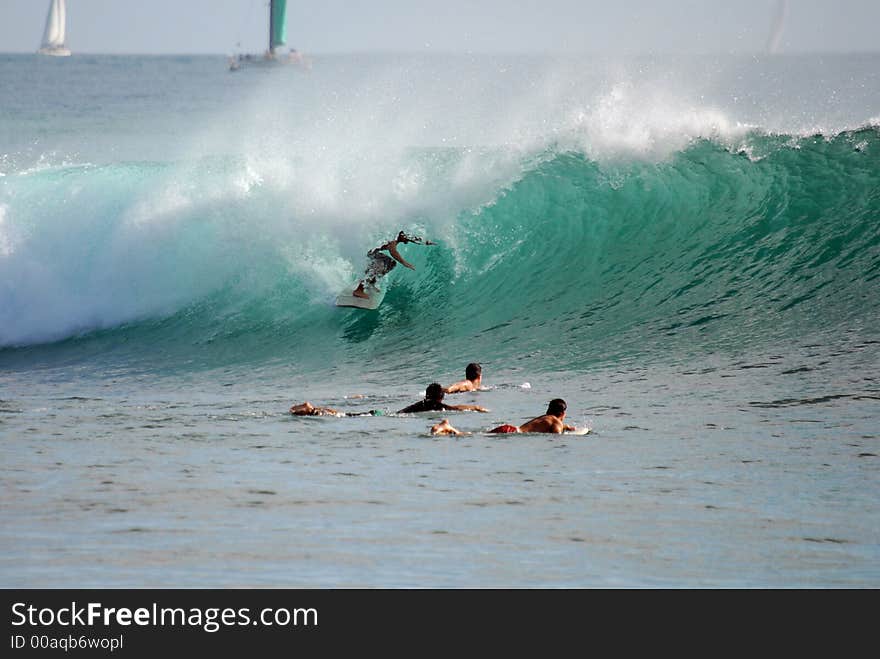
<point x="381" y="264"/>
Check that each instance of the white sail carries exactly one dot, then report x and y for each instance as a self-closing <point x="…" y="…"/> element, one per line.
<point x="62" y="22"/>
<point x="56" y="29"/>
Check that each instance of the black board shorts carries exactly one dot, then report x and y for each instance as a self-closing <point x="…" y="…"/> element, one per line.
<point x="380" y="265"/>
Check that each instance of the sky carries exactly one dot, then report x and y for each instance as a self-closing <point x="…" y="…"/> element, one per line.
<point x="465" y="26"/>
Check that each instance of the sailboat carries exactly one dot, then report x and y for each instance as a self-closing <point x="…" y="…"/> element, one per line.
<point x="277" y="38"/>
<point x="56" y="28"/>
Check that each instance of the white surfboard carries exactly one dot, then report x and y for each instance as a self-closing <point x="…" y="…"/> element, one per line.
<point x="578" y="431"/>
<point x="346" y="299"/>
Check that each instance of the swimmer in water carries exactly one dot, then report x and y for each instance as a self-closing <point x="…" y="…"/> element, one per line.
<point x="433" y="402"/>
<point x="552" y="421"/>
<point x="473" y="377"/>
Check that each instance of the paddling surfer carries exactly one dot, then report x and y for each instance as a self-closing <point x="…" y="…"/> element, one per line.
<point x="381" y="264"/>
<point x="552" y="421"/>
<point x="433" y="402"/>
<point x="473" y="377"/>
<point x="307" y="409"/>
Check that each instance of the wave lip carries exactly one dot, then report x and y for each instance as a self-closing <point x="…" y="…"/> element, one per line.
<point x="627" y="122"/>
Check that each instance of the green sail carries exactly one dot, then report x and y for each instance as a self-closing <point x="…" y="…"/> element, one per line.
<point x="278" y="23"/>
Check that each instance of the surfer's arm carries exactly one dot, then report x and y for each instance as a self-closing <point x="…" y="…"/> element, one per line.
<point x="459" y="387"/>
<point x="392" y="249"/>
<point x="467" y="408"/>
<point x="569" y="428"/>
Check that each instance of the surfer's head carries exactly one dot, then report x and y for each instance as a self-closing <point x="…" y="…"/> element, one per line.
<point x="405" y="238"/>
<point x="473" y="371"/>
<point x="434" y="391"/>
<point x="557" y="407"/>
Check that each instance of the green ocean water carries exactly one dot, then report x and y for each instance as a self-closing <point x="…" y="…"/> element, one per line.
<point x="714" y="249"/>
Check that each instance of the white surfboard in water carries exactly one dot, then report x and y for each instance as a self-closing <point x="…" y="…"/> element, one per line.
<point x="346" y="299"/>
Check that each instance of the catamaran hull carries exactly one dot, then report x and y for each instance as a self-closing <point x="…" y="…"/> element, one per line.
<point x="55" y="52"/>
<point x="277" y="39"/>
<point x="237" y="63"/>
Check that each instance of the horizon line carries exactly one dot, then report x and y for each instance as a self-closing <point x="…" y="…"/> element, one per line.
<point x="471" y="53"/>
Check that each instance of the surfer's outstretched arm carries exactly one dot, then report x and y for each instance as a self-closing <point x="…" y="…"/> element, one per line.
<point x="392" y="249"/>
<point x="467" y="408"/>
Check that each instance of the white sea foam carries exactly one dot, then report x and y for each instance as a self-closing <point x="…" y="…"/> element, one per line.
<point x="6" y="243"/>
<point x="648" y="123"/>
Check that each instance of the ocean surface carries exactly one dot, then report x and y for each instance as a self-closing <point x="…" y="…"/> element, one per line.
<point x="687" y="250"/>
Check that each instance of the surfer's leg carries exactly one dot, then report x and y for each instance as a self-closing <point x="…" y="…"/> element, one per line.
<point x="370" y="274"/>
<point x="359" y="291"/>
<point x="379" y="266"/>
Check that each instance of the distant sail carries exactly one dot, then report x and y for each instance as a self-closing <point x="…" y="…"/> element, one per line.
<point x="56" y="30"/>
<point x="778" y="24"/>
<point x="274" y="54"/>
<point x="277" y="24"/>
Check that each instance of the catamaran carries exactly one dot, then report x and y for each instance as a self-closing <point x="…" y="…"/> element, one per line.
<point x="56" y="28"/>
<point x="277" y="39"/>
